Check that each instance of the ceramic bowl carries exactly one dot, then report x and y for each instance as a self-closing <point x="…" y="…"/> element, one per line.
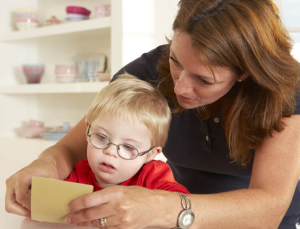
<point x="57" y="133"/>
<point x="76" y="17"/>
<point x="34" y="132"/>
<point x="66" y="73"/>
<point x="33" y="72"/>
<point x="66" y="78"/>
<point x="102" y="10"/>
<point x="35" y="123"/>
<point x="27" y="15"/>
<point x="78" y="10"/>
<point x="26" y="19"/>
<point x="27" y="25"/>
<point x="66" y="68"/>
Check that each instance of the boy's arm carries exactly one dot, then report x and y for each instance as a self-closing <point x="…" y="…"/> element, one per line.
<point x="158" y="175"/>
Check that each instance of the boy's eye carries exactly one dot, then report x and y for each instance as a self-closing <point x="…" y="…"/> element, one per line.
<point x="101" y="136"/>
<point x="128" y="147"/>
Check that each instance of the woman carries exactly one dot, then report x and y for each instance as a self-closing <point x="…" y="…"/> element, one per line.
<point x="234" y="139"/>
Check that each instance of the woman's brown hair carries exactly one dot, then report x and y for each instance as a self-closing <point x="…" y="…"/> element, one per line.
<point x="247" y="36"/>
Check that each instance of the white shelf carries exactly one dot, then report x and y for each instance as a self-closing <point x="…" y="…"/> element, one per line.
<point x="64" y="28"/>
<point x="82" y="87"/>
<point x="293" y="29"/>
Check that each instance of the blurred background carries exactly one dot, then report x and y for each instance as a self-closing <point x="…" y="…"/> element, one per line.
<point x="57" y="54"/>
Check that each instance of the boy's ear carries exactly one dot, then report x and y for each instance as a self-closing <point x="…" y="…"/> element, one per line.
<point x="87" y="126"/>
<point x="154" y="152"/>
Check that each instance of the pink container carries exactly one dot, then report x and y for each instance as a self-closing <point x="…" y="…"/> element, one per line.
<point x="102" y="10"/>
<point x="34" y="132"/>
<point x="66" y="73"/>
<point x="26" y="19"/>
<point x="35" y="123"/>
<point x="66" y="69"/>
<point x="78" y="10"/>
<point x="33" y="72"/>
<point x="29" y="20"/>
<point x="27" y="15"/>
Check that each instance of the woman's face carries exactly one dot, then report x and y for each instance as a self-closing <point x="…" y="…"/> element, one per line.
<point x="194" y="82"/>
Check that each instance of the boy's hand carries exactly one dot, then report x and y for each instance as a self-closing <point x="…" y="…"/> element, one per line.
<point x="18" y="194"/>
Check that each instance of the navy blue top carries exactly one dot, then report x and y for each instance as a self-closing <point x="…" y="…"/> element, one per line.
<point x="196" y="150"/>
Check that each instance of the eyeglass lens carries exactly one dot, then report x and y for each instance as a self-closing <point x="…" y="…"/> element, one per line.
<point x="125" y="151"/>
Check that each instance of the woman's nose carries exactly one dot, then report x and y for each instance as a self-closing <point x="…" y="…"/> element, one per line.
<point x="183" y="84"/>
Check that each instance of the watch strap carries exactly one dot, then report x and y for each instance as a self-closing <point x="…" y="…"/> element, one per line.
<point x="186" y="212"/>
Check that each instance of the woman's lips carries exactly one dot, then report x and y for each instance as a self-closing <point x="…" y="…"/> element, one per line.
<point x="184" y="99"/>
<point x="107" y="168"/>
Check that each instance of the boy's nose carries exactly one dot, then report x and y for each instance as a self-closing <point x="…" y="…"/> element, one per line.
<point x="111" y="151"/>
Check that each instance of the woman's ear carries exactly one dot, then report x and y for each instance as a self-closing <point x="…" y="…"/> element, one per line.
<point x="243" y="77"/>
<point x="154" y="152"/>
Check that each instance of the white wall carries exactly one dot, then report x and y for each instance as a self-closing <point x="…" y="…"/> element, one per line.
<point x="145" y="25"/>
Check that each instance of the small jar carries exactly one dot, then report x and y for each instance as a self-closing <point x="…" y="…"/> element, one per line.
<point x="102" y="10"/>
<point x="26" y="19"/>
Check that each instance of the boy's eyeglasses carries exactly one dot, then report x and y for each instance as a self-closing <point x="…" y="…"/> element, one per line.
<point x="125" y="151"/>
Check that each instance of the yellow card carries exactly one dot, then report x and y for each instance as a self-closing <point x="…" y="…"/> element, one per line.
<point x="50" y="198"/>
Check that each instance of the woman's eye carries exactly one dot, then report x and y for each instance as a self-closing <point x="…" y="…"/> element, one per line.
<point x="174" y="61"/>
<point x="205" y="82"/>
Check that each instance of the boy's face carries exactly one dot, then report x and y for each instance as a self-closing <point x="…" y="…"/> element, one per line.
<point x="108" y="166"/>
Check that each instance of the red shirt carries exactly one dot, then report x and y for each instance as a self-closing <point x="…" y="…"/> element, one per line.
<point x="153" y="175"/>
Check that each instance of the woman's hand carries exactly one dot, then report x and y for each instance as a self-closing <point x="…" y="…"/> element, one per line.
<point x="124" y="207"/>
<point x="18" y="194"/>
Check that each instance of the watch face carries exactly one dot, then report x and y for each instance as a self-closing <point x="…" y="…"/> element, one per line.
<point x="186" y="218"/>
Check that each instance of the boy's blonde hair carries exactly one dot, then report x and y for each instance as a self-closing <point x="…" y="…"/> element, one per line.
<point x="137" y="99"/>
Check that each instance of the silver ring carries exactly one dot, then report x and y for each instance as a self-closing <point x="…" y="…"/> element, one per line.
<point x="103" y="222"/>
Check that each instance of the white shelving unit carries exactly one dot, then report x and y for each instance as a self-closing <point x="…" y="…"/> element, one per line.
<point x="122" y="37"/>
<point x="54" y="88"/>
<point x="61" y="29"/>
<point x="49" y="101"/>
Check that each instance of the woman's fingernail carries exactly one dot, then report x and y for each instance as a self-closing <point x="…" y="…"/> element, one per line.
<point x="68" y="220"/>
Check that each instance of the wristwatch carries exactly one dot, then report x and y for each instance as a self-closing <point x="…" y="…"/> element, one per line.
<point x="186" y="216"/>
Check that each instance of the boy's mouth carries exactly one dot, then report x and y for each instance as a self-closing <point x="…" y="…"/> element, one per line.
<point x="107" y="167"/>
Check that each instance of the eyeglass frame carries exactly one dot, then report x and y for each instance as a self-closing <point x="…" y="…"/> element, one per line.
<point x="118" y="146"/>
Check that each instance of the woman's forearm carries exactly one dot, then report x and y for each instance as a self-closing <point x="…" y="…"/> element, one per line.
<point x="68" y="151"/>
<point x="247" y="208"/>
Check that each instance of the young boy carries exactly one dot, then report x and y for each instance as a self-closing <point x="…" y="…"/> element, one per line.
<point x="127" y="126"/>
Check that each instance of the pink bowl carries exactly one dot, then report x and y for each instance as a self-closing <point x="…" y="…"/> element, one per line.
<point x="29" y="20"/>
<point x="78" y="10"/>
<point x="33" y="72"/>
<point x="34" y="132"/>
<point x="66" y="69"/>
<point x="35" y="123"/>
<point x="27" y="15"/>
